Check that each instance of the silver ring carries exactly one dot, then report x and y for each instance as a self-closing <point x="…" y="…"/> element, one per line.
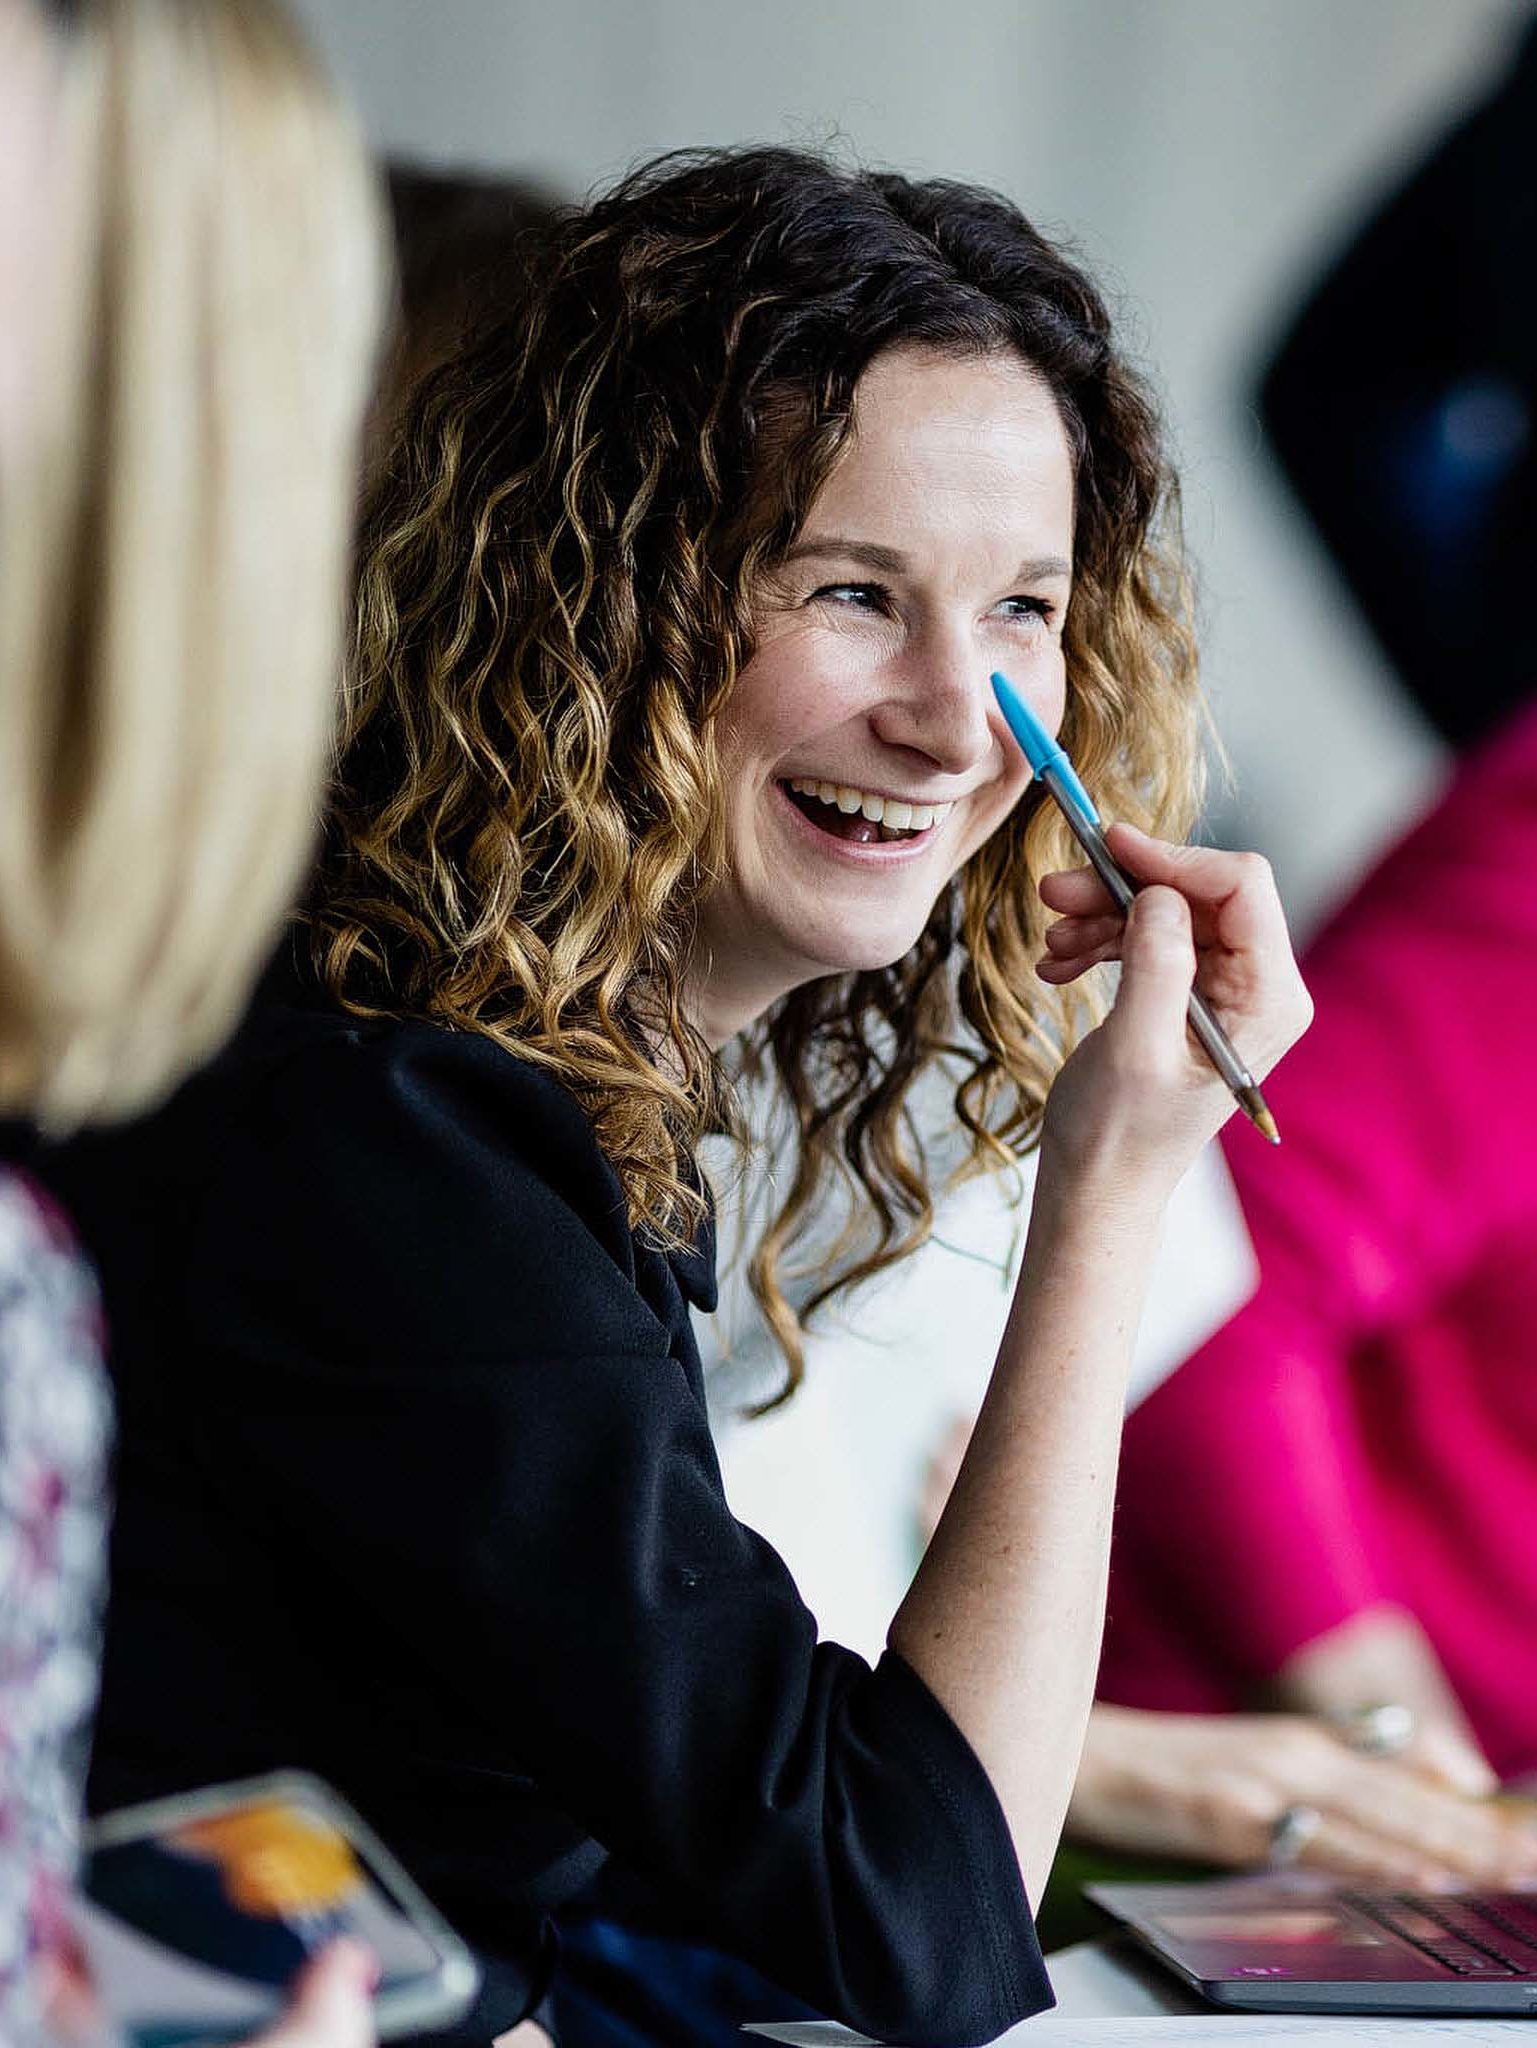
<point x="1290" y="1832"/>
<point x="1384" y="1730"/>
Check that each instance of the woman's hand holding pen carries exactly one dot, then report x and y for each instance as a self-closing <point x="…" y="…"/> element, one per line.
<point x="1002" y="1621"/>
<point x="1137" y="1098"/>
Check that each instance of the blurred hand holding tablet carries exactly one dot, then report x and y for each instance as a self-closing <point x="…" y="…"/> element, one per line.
<point x="196" y="1912"/>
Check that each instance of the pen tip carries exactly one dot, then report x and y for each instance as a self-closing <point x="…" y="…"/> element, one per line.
<point x="1257" y="1110"/>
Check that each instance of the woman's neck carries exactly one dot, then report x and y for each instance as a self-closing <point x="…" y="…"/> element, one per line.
<point x="722" y="1002"/>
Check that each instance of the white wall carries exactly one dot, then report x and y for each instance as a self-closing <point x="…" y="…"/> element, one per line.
<point x="1204" y="154"/>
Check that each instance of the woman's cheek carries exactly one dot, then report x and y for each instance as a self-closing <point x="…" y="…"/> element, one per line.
<point x="1002" y="803"/>
<point x="1041" y="671"/>
<point x="818" y="681"/>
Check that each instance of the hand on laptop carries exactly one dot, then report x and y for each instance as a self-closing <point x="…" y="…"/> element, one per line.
<point x="1384" y="1654"/>
<point x="1213" y="1787"/>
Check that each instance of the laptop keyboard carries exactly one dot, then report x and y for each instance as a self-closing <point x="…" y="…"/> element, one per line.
<point x="1485" y="1934"/>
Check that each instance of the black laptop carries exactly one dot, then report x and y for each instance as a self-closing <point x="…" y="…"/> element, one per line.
<point x="1301" y="1943"/>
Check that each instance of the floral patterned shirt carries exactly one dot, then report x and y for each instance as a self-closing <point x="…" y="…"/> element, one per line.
<point x="54" y="1419"/>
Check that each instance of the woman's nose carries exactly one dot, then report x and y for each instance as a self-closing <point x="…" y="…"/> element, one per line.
<point x="940" y="706"/>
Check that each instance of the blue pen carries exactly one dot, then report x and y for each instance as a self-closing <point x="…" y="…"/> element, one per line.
<point x="1055" y="772"/>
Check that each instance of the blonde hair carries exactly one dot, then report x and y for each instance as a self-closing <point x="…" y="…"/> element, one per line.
<point x="172" y="557"/>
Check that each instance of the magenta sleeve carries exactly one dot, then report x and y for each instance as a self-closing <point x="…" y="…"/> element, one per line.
<point x="1248" y="1521"/>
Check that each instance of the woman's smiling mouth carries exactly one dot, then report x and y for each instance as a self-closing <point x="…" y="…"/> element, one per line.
<point x="857" y="817"/>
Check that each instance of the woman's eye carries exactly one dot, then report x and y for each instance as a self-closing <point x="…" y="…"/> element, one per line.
<point x="1029" y="608"/>
<point x="858" y="597"/>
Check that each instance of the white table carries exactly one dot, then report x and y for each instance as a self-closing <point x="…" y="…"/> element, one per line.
<point x="1109" y="1997"/>
<point x="1093" y="1980"/>
<point x="1097" y="1980"/>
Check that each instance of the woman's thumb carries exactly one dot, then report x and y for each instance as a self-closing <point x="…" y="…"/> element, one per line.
<point x="1157" y="967"/>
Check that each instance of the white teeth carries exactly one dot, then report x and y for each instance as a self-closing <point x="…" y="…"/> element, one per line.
<point x="895" y="815"/>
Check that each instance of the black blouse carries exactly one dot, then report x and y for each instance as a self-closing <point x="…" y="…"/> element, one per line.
<point x="415" y="1489"/>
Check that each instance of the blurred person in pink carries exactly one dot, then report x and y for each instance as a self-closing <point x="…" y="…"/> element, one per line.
<point x="1331" y="1502"/>
<point x="1330" y="1505"/>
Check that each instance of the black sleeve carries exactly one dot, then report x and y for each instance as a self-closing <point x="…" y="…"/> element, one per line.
<point x="425" y="1353"/>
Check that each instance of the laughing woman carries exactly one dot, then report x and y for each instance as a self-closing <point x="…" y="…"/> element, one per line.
<point x="670" y="727"/>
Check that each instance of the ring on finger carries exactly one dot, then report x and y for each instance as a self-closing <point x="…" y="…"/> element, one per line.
<point x="1290" y="1832"/>
<point x="1386" y="1729"/>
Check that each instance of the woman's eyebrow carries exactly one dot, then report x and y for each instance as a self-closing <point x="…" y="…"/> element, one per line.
<point x="834" y="547"/>
<point x="892" y="562"/>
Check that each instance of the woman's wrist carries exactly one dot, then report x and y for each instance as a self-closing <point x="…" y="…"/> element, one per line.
<point x="1088" y="1260"/>
<point x="1100" y="1195"/>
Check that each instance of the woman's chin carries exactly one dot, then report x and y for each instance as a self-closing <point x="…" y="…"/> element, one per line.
<point x="855" y="952"/>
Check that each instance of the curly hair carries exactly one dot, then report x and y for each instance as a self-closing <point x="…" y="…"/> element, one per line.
<point x="557" y="579"/>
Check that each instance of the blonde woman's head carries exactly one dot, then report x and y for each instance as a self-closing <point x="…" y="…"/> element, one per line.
<point x="172" y="538"/>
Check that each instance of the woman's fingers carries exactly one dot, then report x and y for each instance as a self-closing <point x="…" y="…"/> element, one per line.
<point x="331" y="2002"/>
<point x="1075" y="944"/>
<point x="1059" y="971"/>
<point x="1473" y="1840"/>
<point x="1234" y="891"/>
<point x="1382" y="1818"/>
<point x="1070" y="936"/>
<point x="1215" y="1787"/>
<point x="1238" y="889"/>
<point x="1449" y="1757"/>
<point x="1076" y="892"/>
<point x="1247" y="969"/>
<point x="1136" y="1094"/>
<point x="1344" y="1849"/>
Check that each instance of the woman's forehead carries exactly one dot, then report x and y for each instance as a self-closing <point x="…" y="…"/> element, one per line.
<point x="946" y="445"/>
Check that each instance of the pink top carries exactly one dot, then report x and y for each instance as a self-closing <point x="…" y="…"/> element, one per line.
<point x="1365" y="1430"/>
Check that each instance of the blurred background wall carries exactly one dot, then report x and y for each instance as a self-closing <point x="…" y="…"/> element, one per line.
<point x="1206" y="156"/>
